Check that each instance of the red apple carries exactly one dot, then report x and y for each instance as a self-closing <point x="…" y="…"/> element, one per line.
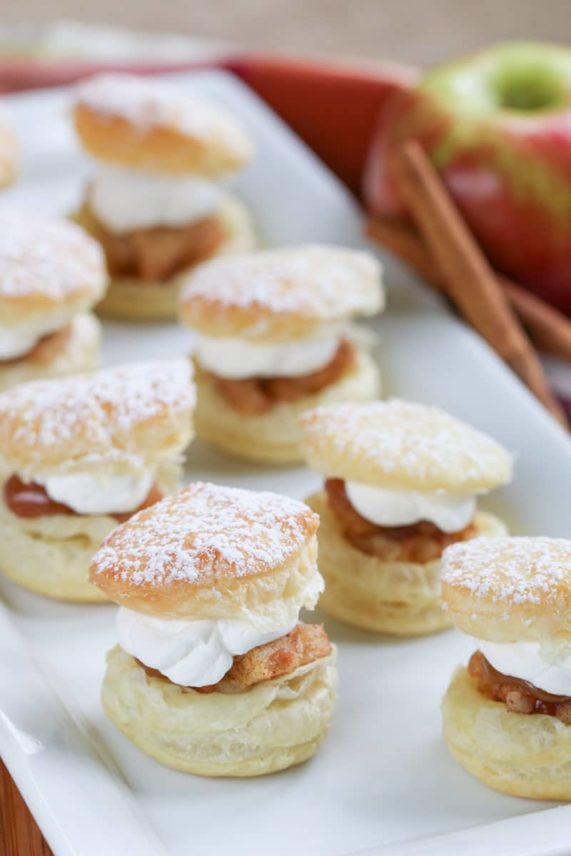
<point x="497" y="125"/>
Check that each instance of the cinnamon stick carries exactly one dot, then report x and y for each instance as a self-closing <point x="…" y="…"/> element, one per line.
<point x="466" y="275"/>
<point x="549" y="328"/>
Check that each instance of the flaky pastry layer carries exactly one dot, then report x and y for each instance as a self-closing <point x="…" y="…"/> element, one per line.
<point x="401" y="598"/>
<point x="274" y="725"/>
<point x="275" y="437"/>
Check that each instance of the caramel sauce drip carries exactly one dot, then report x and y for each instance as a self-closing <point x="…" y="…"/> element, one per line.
<point x="419" y="542"/>
<point x="29" y="500"/>
<point x="256" y="395"/>
<point x="519" y="696"/>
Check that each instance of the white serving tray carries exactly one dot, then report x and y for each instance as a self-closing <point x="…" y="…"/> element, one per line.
<point x="383" y="781"/>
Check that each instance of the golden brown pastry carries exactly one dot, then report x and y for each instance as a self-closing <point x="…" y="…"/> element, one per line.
<point x="214" y="674"/>
<point x="507" y="716"/>
<point x="401" y="485"/>
<point x="273" y="339"/>
<point x="158" y="202"/>
<point x="79" y="455"/>
<point x="9" y="151"/>
<point x="51" y="274"/>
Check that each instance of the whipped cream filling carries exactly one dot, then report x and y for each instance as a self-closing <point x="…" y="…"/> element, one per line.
<point x="189" y="653"/>
<point x="107" y="490"/>
<point x="124" y="199"/>
<point x="19" y="339"/>
<point x="392" y="507"/>
<point x="546" y="667"/>
<point x="237" y="359"/>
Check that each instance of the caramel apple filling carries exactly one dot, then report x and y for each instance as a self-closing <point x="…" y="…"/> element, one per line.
<point x="30" y="500"/>
<point x="518" y="696"/>
<point x="305" y="643"/>
<point x="257" y="395"/>
<point x="158" y="253"/>
<point x="45" y="350"/>
<point x="420" y="542"/>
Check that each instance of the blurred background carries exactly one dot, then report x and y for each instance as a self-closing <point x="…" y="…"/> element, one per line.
<point x="416" y="31"/>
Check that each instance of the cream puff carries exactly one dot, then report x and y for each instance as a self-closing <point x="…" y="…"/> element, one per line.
<point x="79" y="454"/>
<point x="158" y="201"/>
<point x="51" y="274"/>
<point x="9" y="150"/>
<point x="507" y="716"/>
<point x="402" y="482"/>
<point x="214" y="674"/>
<point x="273" y="339"/>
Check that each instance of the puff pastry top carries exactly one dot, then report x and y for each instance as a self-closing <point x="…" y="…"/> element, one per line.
<point x="509" y="589"/>
<point x="280" y="295"/>
<point x="139" y="409"/>
<point x="212" y="552"/>
<point x="402" y="445"/>
<point x="46" y="265"/>
<point x="144" y="124"/>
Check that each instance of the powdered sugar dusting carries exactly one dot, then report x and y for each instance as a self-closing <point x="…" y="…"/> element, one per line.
<point x="98" y="416"/>
<point x="404" y="440"/>
<point x="147" y="104"/>
<point x="510" y="571"/>
<point x="49" y="258"/>
<point x="206" y="531"/>
<point x="315" y="282"/>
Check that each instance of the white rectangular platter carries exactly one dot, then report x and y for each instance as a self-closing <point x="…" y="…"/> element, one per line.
<point x="383" y="781"/>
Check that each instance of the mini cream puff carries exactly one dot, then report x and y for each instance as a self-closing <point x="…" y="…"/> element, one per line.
<point x="214" y="674"/>
<point x="507" y="716"/>
<point x="51" y="274"/>
<point x="77" y="456"/>
<point x="158" y="201"/>
<point x="273" y="340"/>
<point x="401" y="484"/>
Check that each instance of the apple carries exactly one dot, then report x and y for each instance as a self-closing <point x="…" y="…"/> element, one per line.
<point x="497" y="126"/>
